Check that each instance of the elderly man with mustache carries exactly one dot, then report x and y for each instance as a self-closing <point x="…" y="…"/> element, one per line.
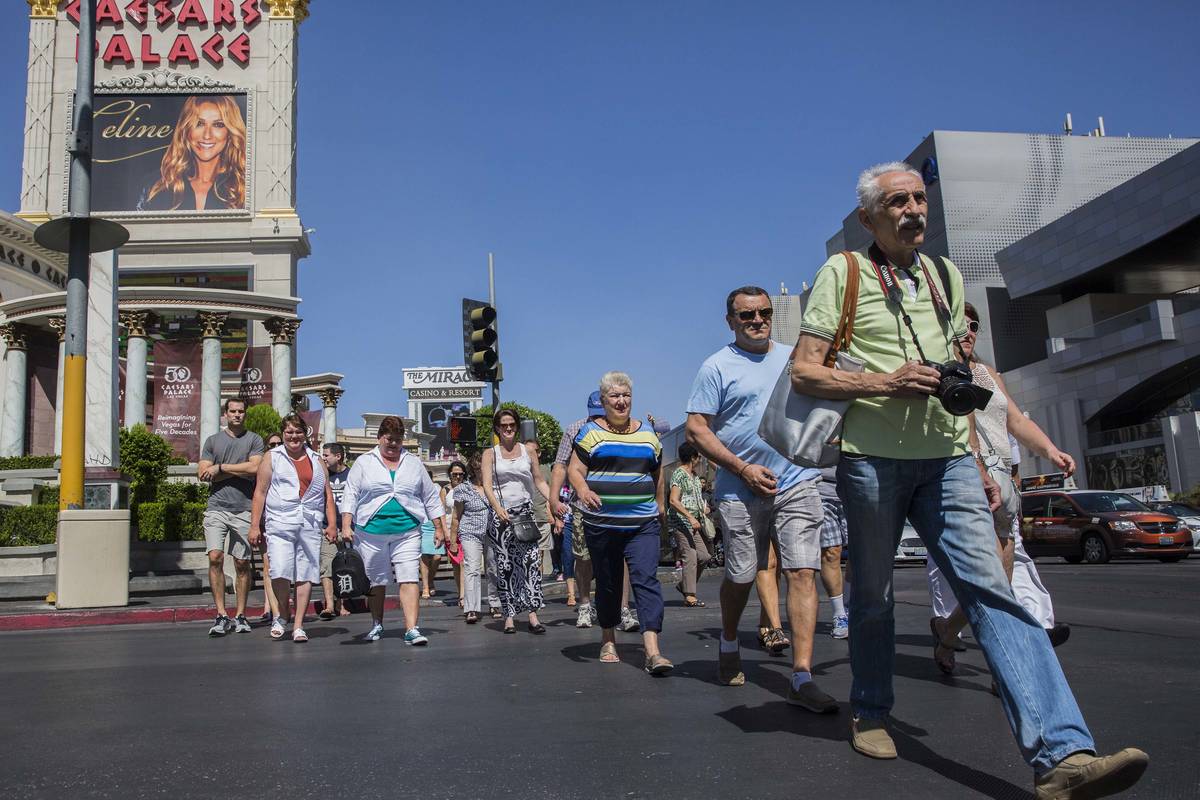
<point x="905" y="454"/>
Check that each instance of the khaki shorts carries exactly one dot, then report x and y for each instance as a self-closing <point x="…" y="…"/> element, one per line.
<point x="792" y="519"/>
<point x="328" y="551"/>
<point x="220" y="526"/>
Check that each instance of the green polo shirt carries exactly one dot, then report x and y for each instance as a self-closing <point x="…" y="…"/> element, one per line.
<point x="891" y="427"/>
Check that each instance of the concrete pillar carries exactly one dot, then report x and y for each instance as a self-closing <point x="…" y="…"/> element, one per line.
<point x="59" y="324"/>
<point x="36" y="187"/>
<point x="136" y="348"/>
<point x="12" y="426"/>
<point x="212" y="325"/>
<point x="283" y="336"/>
<point x="329" y="403"/>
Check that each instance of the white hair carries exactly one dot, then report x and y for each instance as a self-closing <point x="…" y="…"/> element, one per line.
<point x="612" y="379"/>
<point x="869" y="192"/>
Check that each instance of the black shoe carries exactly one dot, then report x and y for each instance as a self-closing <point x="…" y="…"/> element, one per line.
<point x="510" y="629"/>
<point x="472" y="617"/>
<point x="539" y="629"/>
<point x="1059" y="634"/>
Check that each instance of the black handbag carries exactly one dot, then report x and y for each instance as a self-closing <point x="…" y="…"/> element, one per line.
<point x="349" y="572"/>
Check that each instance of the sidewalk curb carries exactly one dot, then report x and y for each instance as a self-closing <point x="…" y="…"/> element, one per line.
<point x="51" y="619"/>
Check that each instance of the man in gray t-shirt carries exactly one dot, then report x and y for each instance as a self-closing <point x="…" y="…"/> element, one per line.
<point x="228" y="463"/>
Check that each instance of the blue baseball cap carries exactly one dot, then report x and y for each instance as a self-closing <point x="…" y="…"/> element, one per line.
<point x="595" y="407"/>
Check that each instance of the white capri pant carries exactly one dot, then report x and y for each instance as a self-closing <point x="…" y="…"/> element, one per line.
<point x="1027" y="586"/>
<point x="385" y="555"/>
<point x="295" y="555"/>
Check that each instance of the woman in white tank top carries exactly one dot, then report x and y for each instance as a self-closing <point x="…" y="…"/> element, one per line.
<point x="292" y="492"/>
<point x="509" y="480"/>
<point x="992" y="427"/>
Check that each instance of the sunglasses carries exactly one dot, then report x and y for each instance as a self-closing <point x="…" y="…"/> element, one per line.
<point x="458" y="475"/>
<point x="748" y="316"/>
<point x="972" y="326"/>
<point x="507" y="427"/>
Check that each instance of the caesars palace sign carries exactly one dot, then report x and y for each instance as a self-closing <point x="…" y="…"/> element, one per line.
<point x="213" y="35"/>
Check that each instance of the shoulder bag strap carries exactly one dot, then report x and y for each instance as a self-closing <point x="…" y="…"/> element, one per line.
<point x="845" y="329"/>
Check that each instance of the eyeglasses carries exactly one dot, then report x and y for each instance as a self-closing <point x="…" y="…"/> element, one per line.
<point x="972" y="326"/>
<point x="748" y="316"/>
<point x="507" y="426"/>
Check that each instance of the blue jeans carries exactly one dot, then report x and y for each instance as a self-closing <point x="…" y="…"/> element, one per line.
<point x="943" y="498"/>
<point x="568" y="555"/>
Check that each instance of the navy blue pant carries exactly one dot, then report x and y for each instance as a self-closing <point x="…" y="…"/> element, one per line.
<point x="610" y="551"/>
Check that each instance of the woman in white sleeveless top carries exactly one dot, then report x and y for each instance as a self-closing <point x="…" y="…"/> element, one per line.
<point x="292" y="491"/>
<point x="509" y="480"/>
<point x="993" y="426"/>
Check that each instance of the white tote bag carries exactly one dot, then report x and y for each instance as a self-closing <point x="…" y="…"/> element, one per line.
<point x="807" y="430"/>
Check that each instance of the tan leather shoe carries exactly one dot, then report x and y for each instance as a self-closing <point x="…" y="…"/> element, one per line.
<point x="729" y="669"/>
<point x="870" y="737"/>
<point x="1083" y="776"/>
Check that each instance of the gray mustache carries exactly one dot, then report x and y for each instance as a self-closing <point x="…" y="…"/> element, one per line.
<point x="913" y="221"/>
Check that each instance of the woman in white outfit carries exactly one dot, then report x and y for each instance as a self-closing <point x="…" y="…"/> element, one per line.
<point x="388" y="496"/>
<point x="992" y="427"/>
<point x="509" y="478"/>
<point x="292" y="491"/>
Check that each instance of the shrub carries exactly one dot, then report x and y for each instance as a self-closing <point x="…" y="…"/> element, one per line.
<point x="28" y="462"/>
<point x="548" y="430"/>
<point x="263" y="420"/>
<point x="144" y="458"/>
<point x="48" y="495"/>
<point x="181" y="492"/>
<point x="26" y="526"/>
<point x="170" y="522"/>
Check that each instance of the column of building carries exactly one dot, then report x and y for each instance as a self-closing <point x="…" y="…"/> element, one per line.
<point x="59" y="325"/>
<point x="283" y="337"/>
<point x="329" y="403"/>
<point x="16" y="379"/>
<point x="212" y="328"/>
<point x="35" y="171"/>
<point x="137" y="346"/>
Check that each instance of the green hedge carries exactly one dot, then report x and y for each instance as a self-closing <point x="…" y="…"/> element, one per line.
<point x="26" y="526"/>
<point x="48" y="495"/>
<point x="170" y="522"/>
<point x="28" y="462"/>
<point x="182" y="492"/>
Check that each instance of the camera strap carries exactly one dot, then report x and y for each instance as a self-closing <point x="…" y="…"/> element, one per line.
<point x="890" y="285"/>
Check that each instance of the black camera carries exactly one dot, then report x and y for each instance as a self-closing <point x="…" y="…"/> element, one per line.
<point x="957" y="390"/>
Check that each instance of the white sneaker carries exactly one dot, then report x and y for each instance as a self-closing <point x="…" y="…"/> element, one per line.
<point x="241" y="624"/>
<point x="375" y="633"/>
<point x="222" y="626"/>
<point x="629" y="621"/>
<point x="584" y="617"/>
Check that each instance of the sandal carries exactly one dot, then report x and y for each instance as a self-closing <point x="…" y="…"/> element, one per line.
<point x="496" y="614"/>
<point x="695" y="602"/>
<point x="571" y="601"/>
<point x="325" y="614"/>
<point x="299" y="636"/>
<point x="776" y="641"/>
<point x="608" y="653"/>
<point x="943" y="654"/>
<point x="472" y="617"/>
<point x="278" y="628"/>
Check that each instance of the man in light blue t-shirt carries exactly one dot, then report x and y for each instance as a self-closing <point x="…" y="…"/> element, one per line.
<point x="760" y="495"/>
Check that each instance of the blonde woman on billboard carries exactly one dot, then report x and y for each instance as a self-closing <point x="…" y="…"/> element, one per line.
<point x="204" y="167"/>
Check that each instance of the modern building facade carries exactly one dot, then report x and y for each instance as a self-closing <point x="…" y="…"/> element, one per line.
<point x="194" y="151"/>
<point x="1062" y="241"/>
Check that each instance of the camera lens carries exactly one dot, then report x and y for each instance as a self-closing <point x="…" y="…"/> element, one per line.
<point x="957" y="396"/>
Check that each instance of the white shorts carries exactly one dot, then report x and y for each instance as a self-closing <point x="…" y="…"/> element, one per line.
<point x="295" y="554"/>
<point x="384" y="556"/>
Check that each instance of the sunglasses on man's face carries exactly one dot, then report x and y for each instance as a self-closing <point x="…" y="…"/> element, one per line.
<point x="972" y="326"/>
<point x="748" y="316"/>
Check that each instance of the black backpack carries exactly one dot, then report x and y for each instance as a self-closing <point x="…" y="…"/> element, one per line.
<point x="349" y="573"/>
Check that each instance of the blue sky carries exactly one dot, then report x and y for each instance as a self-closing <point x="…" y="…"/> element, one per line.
<point x="630" y="162"/>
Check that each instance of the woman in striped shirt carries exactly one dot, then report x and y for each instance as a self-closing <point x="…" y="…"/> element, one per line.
<point x="616" y="472"/>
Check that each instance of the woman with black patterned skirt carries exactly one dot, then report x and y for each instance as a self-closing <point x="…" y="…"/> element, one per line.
<point x="509" y="478"/>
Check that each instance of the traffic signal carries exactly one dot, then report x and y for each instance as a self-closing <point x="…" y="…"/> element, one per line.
<point x="463" y="430"/>
<point x="481" y="351"/>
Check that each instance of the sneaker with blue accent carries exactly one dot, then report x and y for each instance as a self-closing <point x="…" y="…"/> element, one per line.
<point x="841" y="627"/>
<point x="241" y="624"/>
<point x="414" y="637"/>
<point x="629" y="621"/>
<point x="375" y="632"/>
<point x="222" y="626"/>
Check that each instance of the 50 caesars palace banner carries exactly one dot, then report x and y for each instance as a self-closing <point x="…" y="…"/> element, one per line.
<point x="168" y="151"/>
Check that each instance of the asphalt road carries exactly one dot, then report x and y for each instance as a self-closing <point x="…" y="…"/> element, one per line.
<point x="162" y="711"/>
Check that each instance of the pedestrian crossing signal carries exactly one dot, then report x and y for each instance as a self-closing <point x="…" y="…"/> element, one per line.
<point x="463" y="430"/>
